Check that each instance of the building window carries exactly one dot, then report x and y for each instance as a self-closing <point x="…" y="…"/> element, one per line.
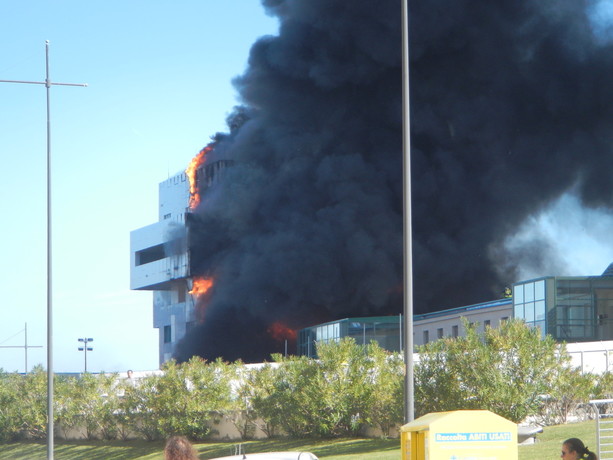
<point x="529" y="303"/>
<point x="454" y="331"/>
<point x="167" y="334"/>
<point x="439" y="333"/>
<point x="166" y="216"/>
<point x="487" y="323"/>
<point x="150" y="255"/>
<point x="426" y="337"/>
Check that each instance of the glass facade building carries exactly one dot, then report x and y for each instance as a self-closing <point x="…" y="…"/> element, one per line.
<point x="385" y="330"/>
<point x="569" y="308"/>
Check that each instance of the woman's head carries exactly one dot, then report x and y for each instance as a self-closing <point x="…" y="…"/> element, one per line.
<point x="574" y="449"/>
<point x="179" y="448"/>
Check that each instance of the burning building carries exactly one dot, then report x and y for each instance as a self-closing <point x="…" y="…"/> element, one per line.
<point x="160" y="258"/>
<point x="511" y="109"/>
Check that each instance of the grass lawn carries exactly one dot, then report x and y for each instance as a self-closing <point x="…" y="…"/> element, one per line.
<point x="547" y="447"/>
<point x="337" y="449"/>
<point x="549" y="442"/>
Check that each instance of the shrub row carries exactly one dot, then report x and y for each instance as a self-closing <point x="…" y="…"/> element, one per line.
<point x="348" y="388"/>
<point x="511" y="371"/>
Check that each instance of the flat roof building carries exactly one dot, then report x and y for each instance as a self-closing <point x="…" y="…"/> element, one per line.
<point x="160" y="257"/>
<point x="386" y="330"/>
<point x="569" y="308"/>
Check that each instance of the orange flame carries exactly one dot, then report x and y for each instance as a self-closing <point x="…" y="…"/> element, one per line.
<point x="197" y="161"/>
<point x="280" y="331"/>
<point x="200" y="286"/>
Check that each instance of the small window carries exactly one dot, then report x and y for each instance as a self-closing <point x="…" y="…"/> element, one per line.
<point x="150" y="255"/>
<point x="439" y="333"/>
<point x="426" y="337"/>
<point x="167" y="334"/>
<point x="166" y="216"/>
<point x="487" y="323"/>
<point x="454" y="331"/>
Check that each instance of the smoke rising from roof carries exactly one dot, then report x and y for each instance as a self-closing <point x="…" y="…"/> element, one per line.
<point x="511" y="107"/>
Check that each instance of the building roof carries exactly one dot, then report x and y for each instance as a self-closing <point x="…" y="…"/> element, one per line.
<point x="467" y="308"/>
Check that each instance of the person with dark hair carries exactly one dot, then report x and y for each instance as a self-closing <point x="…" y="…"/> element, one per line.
<point x="179" y="448"/>
<point x="574" y="449"/>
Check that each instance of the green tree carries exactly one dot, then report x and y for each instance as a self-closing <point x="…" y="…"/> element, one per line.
<point x="138" y="408"/>
<point x="260" y="388"/>
<point x="209" y="395"/>
<point x="107" y="410"/>
<point x="505" y="370"/>
<point x="241" y="411"/>
<point x="32" y="407"/>
<point x="603" y="387"/>
<point x="325" y="397"/>
<point x="89" y="401"/>
<point x="184" y="400"/>
<point x="386" y="407"/>
<point x="569" y="392"/>
<point x="287" y="401"/>
<point x="9" y="406"/>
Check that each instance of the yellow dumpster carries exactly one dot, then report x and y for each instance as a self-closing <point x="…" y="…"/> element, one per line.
<point x="459" y="435"/>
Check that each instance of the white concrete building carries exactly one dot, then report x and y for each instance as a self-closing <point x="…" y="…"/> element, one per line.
<point x="449" y="323"/>
<point x="160" y="258"/>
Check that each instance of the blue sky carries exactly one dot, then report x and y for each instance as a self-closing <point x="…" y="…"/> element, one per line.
<point x="159" y="76"/>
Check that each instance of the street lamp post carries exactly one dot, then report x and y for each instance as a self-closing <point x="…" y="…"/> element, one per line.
<point x="85" y="348"/>
<point x="407" y="227"/>
<point x="48" y="84"/>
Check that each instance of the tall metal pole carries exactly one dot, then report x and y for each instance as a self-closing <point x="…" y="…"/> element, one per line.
<point x="48" y="84"/>
<point x="407" y="227"/>
<point x="50" y="423"/>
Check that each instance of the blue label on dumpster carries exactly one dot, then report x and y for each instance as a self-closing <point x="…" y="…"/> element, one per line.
<point x="471" y="437"/>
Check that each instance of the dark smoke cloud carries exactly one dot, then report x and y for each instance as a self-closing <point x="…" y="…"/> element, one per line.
<point x="511" y="106"/>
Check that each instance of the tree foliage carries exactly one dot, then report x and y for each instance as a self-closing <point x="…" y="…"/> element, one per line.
<point x="505" y="370"/>
<point x="511" y="371"/>
<point x="336" y="395"/>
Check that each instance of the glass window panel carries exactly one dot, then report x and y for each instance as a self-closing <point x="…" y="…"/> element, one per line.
<point x="577" y="313"/>
<point x="518" y="294"/>
<point x="539" y="310"/>
<point x="539" y="290"/>
<point x="519" y="311"/>
<point x="528" y="292"/>
<point x="529" y="312"/>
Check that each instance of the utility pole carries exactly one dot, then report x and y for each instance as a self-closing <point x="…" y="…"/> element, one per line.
<point x="85" y="348"/>
<point x="48" y="84"/>
<point x="25" y="347"/>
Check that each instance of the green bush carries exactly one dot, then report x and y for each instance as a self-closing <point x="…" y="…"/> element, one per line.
<point x="507" y="370"/>
<point x="347" y="388"/>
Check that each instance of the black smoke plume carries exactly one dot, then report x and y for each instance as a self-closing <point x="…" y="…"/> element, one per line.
<point x="511" y="106"/>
